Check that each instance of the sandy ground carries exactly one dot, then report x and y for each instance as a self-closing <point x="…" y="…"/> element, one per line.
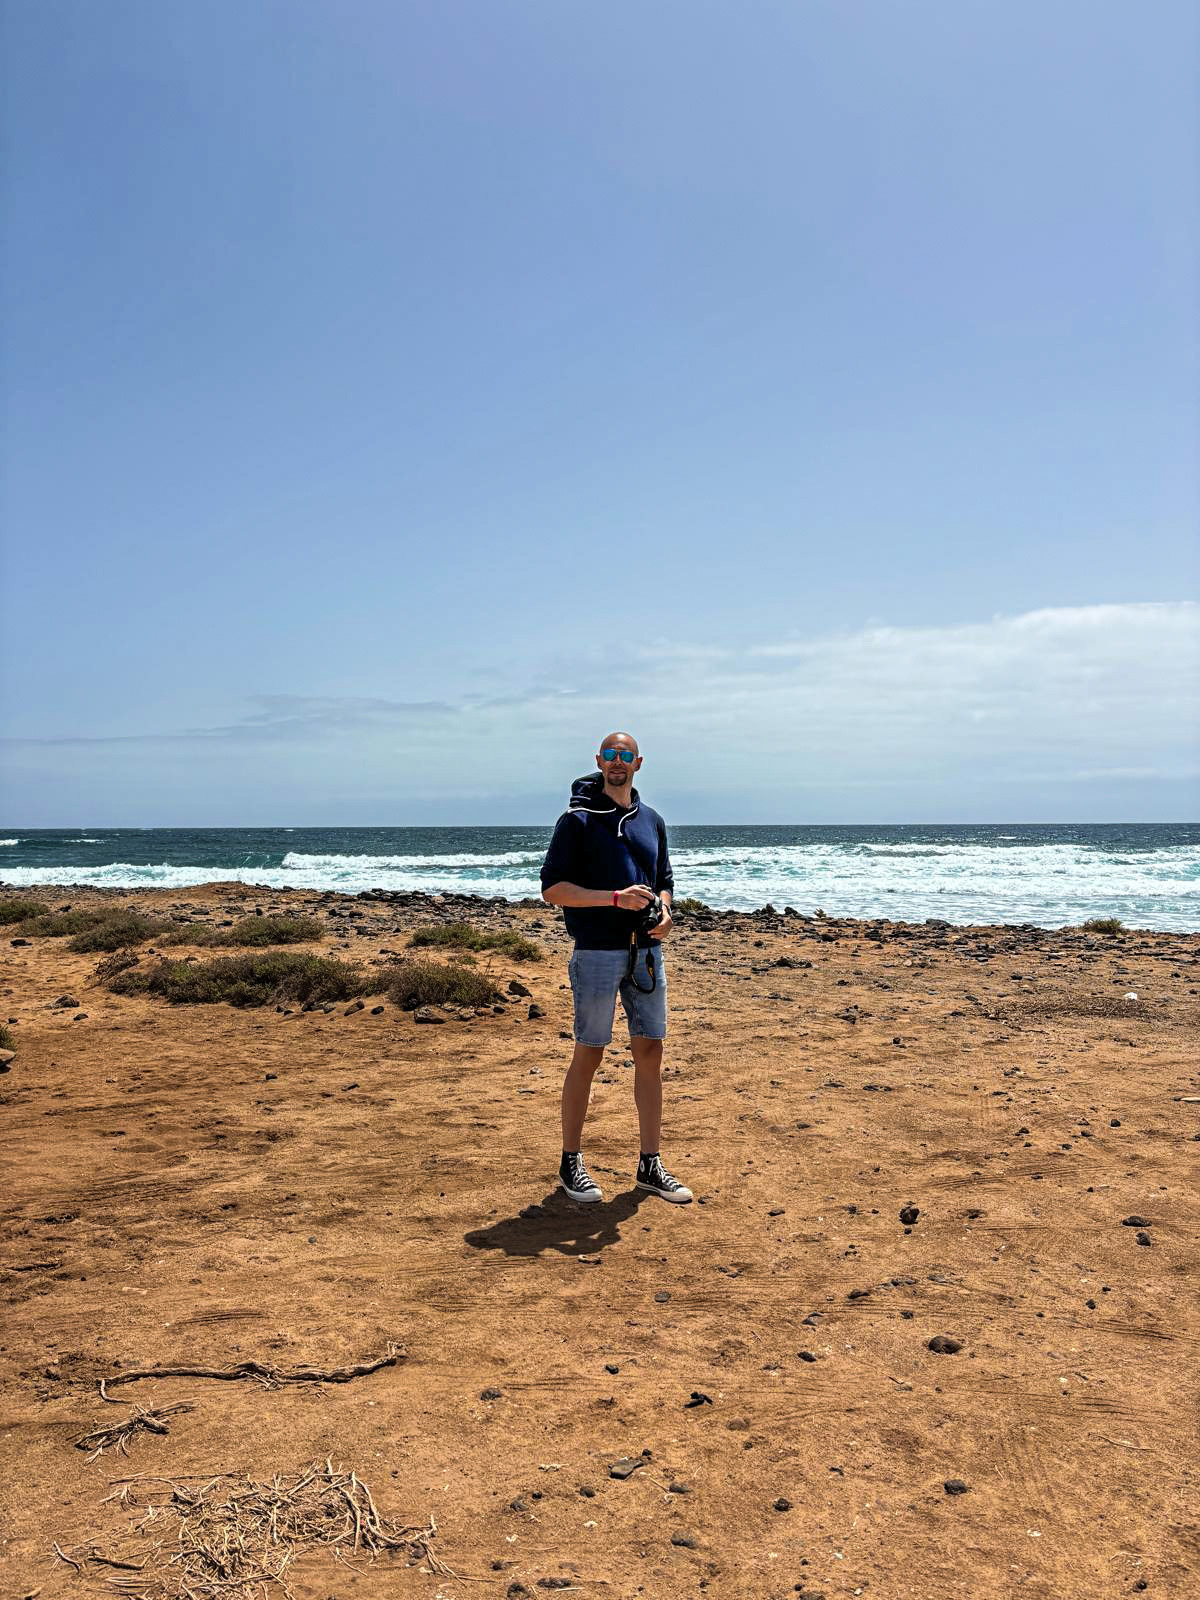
<point x="204" y="1186"/>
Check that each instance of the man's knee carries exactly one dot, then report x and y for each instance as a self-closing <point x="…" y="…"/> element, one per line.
<point x="587" y="1058"/>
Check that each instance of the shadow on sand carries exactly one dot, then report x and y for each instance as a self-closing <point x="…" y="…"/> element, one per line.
<point x="557" y="1223"/>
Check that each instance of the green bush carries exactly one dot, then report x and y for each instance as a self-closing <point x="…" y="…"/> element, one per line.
<point x="1104" y="925"/>
<point x="427" y="983"/>
<point x="688" y="907"/>
<point x="117" y="931"/>
<point x="61" y="924"/>
<point x="249" y="931"/>
<point x="8" y="1039"/>
<point x="462" y="936"/>
<point x="20" y="911"/>
<point x="257" y="980"/>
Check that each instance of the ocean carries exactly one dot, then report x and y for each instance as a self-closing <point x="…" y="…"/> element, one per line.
<point x="1148" y="875"/>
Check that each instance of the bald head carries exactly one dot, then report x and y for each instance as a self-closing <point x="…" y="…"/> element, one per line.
<point x="618" y="774"/>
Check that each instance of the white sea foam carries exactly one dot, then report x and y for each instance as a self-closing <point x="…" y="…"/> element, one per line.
<point x="435" y="863"/>
<point x="10" y="841"/>
<point x="1047" y="884"/>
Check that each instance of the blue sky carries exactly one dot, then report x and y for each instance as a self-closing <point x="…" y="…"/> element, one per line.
<point x="397" y="397"/>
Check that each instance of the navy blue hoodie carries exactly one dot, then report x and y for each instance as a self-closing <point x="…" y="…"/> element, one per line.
<point x="601" y="845"/>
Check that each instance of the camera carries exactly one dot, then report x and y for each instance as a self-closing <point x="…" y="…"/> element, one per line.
<point x="650" y="915"/>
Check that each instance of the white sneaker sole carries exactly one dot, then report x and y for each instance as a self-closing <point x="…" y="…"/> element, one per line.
<point x="585" y="1197"/>
<point x="681" y="1198"/>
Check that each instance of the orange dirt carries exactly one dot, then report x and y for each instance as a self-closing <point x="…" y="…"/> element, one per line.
<point x="204" y="1187"/>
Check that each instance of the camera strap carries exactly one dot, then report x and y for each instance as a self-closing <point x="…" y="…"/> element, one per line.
<point x="631" y="966"/>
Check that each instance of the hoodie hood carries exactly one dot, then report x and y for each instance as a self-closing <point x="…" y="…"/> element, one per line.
<point x="587" y="795"/>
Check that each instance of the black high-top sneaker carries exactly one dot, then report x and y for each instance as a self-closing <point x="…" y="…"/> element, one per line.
<point x="577" y="1180"/>
<point x="652" y="1175"/>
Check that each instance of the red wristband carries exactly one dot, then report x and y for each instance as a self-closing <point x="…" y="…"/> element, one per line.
<point x="616" y="897"/>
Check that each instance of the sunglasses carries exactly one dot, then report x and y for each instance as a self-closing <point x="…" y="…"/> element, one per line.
<point x="627" y="756"/>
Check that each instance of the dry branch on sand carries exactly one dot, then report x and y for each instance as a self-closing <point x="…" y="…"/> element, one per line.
<point x="121" y="1432"/>
<point x="265" y="1372"/>
<point x="233" y="1541"/>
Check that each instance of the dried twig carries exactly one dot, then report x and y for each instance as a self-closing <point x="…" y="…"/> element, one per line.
<point x="232" y="1544"/>
<point x="120" y="1434"/>
<point x="269" y="1375"/>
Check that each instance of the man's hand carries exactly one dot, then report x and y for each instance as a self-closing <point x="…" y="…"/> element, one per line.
<point x="636" y="897"/>
<point x="664" y="927"/>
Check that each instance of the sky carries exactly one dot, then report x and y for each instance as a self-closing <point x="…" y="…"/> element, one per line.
<point x="399" y="397"/>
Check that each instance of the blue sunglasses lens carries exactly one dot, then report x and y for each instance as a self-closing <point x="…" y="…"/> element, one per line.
<point x="626" y="756"/>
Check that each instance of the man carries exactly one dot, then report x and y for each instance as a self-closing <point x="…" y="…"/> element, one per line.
<point x="607" y="861"/>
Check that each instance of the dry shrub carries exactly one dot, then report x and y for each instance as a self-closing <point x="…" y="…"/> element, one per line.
<point x="116" y="931"/>
<point x="258" y="980"/>
<point x="17" y="910"/>
<point x="428" y="983"/>
<point x="250" y="931"/>
<point x="462" y="936"/>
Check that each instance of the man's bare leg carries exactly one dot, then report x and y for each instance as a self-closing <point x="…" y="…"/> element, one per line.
<point x="647" y="1089"/>
<point x="577" y="1089"/>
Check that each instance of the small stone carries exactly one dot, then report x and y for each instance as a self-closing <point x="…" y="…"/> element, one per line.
<point x="699" y="1398"/>
<point x="587" y="1491"/>
<point x="805" y="1355"/>
<point x="662" y="1296"/>
<point x="678" y="1488"/>
<point x="942" y="1345"/>
<point x="1143" y="1237"/>
<point x="312" y="1238"/>
<point x="80" y="1017"/>
<point x="611" y="1366"/>
<point x="515" y="986"/>
<point x="427" y="1014"/>
<point x="490" y="1394"/>
<point x="376" y="1011"/>
<point x="7" y="1057"/>
<point x="956" y="1486"/>
<point x="910" y="1214"/>
<point x="625" y="1467"/>
<point x="858" y="1294"/>
<point x="782" y="1504"/>
<point x="64" y="1003"/>
<point x="738" y="1425"/>
<point x="535" y="1011"/>
<point x="683" y="1540"/>
<point x="1136" y="1222"/>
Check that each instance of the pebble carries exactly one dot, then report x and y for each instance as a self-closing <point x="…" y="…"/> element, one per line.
<point x="782" y="1504"/>
<point x="490" y="1394"/>
<point x="376" y="1011"/>
<point x="611" y="1366"/>
<point x="699" y="1398"/>
<point x="909" y="1214"/>
<point x="805" y="1355"/>
<point x="942" y="1345"/>
<point x="625" y="1467"/>
<point x="662" y="1296"/>
<point x="535" y="1011"/>
<point x="956" y="1486"/>
<point x="678" y="1488"/>
<point x="683" y="1540"/>
<point x="1143" y="1237"/>
<point x="515" y="986"/>
<point x="1136" y="1222"/>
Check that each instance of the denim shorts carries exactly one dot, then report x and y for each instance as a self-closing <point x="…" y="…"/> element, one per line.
<point x="598" y="977"/>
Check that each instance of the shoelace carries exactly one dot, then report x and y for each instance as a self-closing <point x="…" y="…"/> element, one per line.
<point x="578" y="1175"/>
<point x="655" y="1172"/>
